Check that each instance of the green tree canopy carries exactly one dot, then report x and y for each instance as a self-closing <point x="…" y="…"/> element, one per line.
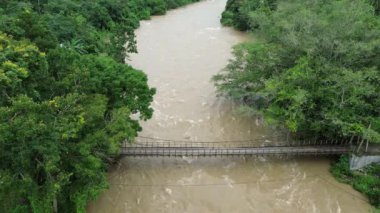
<point x="314" y="68"/>
<point x="67" y="98"/>
<point x="61" y="124"/>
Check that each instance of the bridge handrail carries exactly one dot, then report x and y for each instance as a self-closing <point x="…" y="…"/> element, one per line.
<point x="191" y="141"/>
<point x="165" y="143"/>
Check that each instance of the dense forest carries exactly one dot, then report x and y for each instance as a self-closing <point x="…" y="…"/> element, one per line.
<point x="312" y="68"/>
<point x="66" y="97"/>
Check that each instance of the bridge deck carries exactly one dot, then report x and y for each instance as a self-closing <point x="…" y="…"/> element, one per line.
<point x="160" y="147"/>
<point x="215" y="151"/>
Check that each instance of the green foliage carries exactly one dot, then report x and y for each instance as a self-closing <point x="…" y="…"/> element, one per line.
<point x="341" y="169"/>
<point x="67" y="98"/>
<point x="314" y="69"/>
<point x="60" y="125"/>
<point x="20" y="62"/>
<point x="237" y="12"/>
<point x="376" y="6"/>
<point x="366" y="181"/>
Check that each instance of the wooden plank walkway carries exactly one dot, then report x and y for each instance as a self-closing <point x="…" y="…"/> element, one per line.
<point x="217" y="151"/>
<point x="159" y="147"/>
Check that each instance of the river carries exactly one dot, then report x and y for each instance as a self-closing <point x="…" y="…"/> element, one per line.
<point x="180" y="52"/>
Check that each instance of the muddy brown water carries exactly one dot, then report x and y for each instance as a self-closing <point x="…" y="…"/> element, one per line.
<point x="180" y="52"/>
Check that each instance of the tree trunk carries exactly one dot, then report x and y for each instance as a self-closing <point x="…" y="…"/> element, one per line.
<point x="55" y="205"/>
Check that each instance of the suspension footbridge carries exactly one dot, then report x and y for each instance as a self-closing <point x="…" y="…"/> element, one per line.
<point x="145" y="146"/>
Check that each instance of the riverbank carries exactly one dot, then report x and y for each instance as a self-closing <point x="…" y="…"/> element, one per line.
<point x="366" y="180"/>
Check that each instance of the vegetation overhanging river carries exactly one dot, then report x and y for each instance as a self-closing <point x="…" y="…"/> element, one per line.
<point x="180" y="52"/>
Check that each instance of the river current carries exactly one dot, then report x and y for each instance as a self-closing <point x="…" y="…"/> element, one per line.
<point x="180" y="52"/>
